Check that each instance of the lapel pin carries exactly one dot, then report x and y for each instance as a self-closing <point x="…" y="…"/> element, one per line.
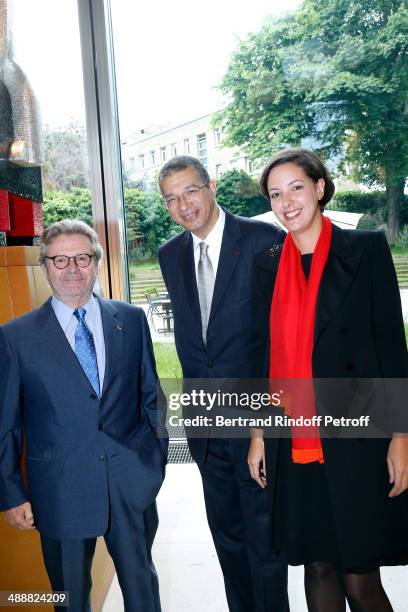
<point x="119" y="327"/>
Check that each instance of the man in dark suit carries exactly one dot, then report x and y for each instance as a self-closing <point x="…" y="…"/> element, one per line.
<point x="79" y="380"/>
<point x="207" y="271"/>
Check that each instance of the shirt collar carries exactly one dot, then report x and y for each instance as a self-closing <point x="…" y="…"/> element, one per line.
<point x="215" y="236"/>
<point x="65" y="312"/>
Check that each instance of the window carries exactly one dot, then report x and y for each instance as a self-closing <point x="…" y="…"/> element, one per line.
<point x="163" y="154"/>
<point x="217" y="136"/>
<point x="202" y="148"/>
<point x="131" y="163"/>
<point x="187" y="146"/>
<point x="141" y="161"/>
<point x="249" y="165"/>
<point x="218" y="171"/>
<point x="152" y="158"/>
<point x="174" y="149"/>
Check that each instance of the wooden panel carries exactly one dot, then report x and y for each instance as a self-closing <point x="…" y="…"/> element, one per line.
<point x="102" y="574"/>
<point x="6" y="306"/>
<point x="41" y="287"/>
<point x="21" y="564"/>
<point x="21" y="256"/>
<point x="21" y="283"/>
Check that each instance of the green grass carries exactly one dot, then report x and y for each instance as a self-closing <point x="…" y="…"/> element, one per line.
<point x="167" y="363"/>
<point x="143" y="265"/>
<point x="399" y="251"/>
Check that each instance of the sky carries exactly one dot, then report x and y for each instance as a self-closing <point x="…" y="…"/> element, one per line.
<point x="169" y="56"/>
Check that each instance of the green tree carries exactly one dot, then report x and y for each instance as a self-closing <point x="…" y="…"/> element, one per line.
<point x="66" y="158"/>
<point x="240" y="194"/>
<point x="334" y="72"/>
<point x="135" y="212"/>
<point x="148" y="224"/>
<point x="59" y="205"/>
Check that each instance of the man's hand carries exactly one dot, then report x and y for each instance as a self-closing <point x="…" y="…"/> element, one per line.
<point x="397" y="461"/>
<point x="256" y="461"/>
<point x="20" y="517"/>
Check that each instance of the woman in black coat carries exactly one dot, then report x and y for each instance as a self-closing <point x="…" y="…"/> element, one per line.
<point x="339" y="506"/>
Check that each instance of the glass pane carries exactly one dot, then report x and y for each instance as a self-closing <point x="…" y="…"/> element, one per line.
<point x="46" y="46"/>
<point x="168" y="110"/>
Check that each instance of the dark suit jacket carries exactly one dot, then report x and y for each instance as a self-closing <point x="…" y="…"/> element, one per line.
<point x="230" y="335"/>
<point x="75" y="441"/>
<point x="359" y="333"/>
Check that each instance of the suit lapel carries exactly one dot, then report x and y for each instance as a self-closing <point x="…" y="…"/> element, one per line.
<point x="229" y="257"/>
<point x="341" y="268"/>
<point x="113" y="331"/>
<point x="187" y="269"/>
<point x="58" y="349"/>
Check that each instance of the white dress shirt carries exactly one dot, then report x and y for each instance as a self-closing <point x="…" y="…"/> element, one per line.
<point x="93" y="319"/>
<point x="214" y="241"/>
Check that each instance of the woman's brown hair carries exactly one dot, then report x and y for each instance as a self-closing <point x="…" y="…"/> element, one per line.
<point x="311" y="165"/>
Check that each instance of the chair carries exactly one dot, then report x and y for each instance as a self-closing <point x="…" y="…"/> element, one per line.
<point x="162" y="310"/>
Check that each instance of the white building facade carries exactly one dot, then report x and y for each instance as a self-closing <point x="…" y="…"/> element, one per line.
<point x="144" y="156"/>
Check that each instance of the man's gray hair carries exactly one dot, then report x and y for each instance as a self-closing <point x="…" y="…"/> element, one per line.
<point x="69" y="226"/>
<point x="183" y="162"/>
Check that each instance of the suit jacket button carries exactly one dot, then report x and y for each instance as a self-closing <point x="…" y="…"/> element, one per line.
<point x="93" y="396"/>
<point x="101" y="426"/>
<point x="102" y="458"/>
<point x="344" y="331"/>
<point x="210" y="364"/>
<point x="350" y="367"/>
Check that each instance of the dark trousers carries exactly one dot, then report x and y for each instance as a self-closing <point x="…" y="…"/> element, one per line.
<point x="129" y="541"/>
<point x="255" y="575"/>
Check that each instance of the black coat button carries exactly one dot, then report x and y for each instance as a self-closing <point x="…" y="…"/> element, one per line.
<point x="101" y="426"/>
<point x="210" y="364"/>
<point x="93" y="396"/>
<point x="350" y="367"/>
<point x="344" y="331"/>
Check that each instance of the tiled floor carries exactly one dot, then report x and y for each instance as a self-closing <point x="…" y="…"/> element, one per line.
<point x="190" y="578"/>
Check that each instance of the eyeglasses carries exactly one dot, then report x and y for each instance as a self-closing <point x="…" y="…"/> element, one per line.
<point x="189" y="196"/>
<point x="62" y="261"/>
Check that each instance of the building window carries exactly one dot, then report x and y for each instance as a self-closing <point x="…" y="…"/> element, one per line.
<point x="202" y="148"/>
<point x="217" y="136"/>
<point x="218" y="171"/>
<point x="174" y="149"/>
<point x="141" y="161"/>
<point x="249" y="165"/>
<point x="163" y="154"/>
<point x="233" y="164"/>
<point x="131" y="163"/>
<point x="152" y="158"/>
<point x="187" y="146"/>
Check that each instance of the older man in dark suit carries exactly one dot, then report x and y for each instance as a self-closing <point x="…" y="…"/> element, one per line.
<point x="78" y="379"/>
<point x="207" y="270"/>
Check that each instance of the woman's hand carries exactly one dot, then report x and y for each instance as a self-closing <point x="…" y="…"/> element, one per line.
<point x="256" y="460"/>
<point x="397" y="461"/>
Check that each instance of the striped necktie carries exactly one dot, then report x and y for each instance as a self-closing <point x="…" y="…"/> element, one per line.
<point x="85" y="350"/>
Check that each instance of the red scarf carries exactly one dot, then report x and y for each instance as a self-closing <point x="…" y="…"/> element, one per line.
<point x="292" y="324"/>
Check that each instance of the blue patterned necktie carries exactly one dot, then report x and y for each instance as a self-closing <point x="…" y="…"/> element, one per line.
<point x="85" y="350"/>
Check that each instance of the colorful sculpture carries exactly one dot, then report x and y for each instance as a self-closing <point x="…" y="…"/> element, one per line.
<point x="21" y="148"/>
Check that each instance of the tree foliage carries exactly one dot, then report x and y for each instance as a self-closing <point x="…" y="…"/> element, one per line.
<point x="148" y="223"/>
<point x="240" y="194"/>
<point x="59" y="205"/>
<point x="66" y="158"/>
<point x="333" y="72"/>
